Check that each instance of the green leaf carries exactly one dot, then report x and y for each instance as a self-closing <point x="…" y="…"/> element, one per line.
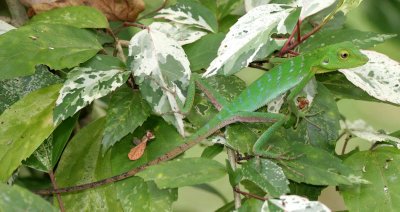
<point x="126" y="111"/>
<point x="190" y="13"/>
<point x="322" y="129"/>
<point x="342" y="88"/>
<point x="84" y="153"/>
<point x="162" y="71"/>
<point x="251" y="205"/>
<point x="312" y="192"/>
<point x="58" y="46"/>
<point x="47" y="155"/>
<point x="381" y="168"/>
<point x="202" y="52"/>
<point x="104" y="62"/>
<point x="83" y="86"/>
<point x="24" y="126"/>
<point x="183" y="172"/>
<point x="226" y="7"/>
<point x="211" y="151"/>
<point x="16" y="198"/>
<point x="77" y="16"/>
<point x="267" y="175"/>
<point x="311" y="165"/>
<point x="361" y="39"/>
<point x="14" y="89"/>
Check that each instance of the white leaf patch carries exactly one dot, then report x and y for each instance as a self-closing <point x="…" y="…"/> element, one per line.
<point x="250" y="4"/>
<point x="362" y="130"/>
<point x="249" y="39"/>
<point x="310" y="7"/>
<point x="294" y="203"/>
<point x="4" y="27"/>
<point x="83" y="86"/>
<point x="380" y="77"/>
<point x="191" y="14"/>
<point x="182" y="33"/>
<point x="161" y="70"/>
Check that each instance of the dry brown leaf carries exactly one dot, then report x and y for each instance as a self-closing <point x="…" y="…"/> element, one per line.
<point x="137" y="151"/>
<point x="114" y="10"/>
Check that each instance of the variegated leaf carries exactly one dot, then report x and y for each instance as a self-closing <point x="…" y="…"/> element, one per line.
<point x="182" y="33"/>
<point x="347" y="5"/>
<point x="293" y="203"/>
<point x="250" y="38"/>
<point x="161" y="70"/>
<point x="362" y="130"/>
<point x="83" y="86"/>
<point x="190" y="13"/>
<point x="250" y="4"/>
<point x="380" y="77"/>
<point x="310" y="7"/>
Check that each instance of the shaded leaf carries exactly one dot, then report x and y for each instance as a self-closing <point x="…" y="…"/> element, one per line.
<point x="127" y="110"/>
<point x="381" y="168"/>
<point x="202" y="52"/>
<point x="77" y="16"/>
<point x="83" y="86"/>
<point x="267" y="175"/>
<point x="24" y="126"/>
<point x="182" y="33"/>
<point x="58" y="46"/>
<point x="312" y="192"/>
<point x="183" y="172"/>
<point x="380" y="77"/>
<point x="249" y="39"/>
<point x="84" y="153"/>
<point x="47" y="155"/>
<point x="16" y="198"/>
<point x="190" y="13"/>
<point x="212" y="151"/>
<point x="104" y="62"/>
<point x="251" y="204"/>
<point x="13" y="89"/>
<point x="161" y="70"/>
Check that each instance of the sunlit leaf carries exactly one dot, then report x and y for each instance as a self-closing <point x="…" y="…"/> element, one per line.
<point x="77" y="16"/>
<point x="58" y="46"/>
<point x="379" y="77"/>
<point x="24" y="126"/>
<point x="250" y="38"/>
<point x="294" y="203"/>
<point x="84" y="85"/>
<point x="161" y="70"/>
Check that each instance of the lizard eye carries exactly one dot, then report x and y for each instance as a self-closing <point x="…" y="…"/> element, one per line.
<point x="344" y="54"/>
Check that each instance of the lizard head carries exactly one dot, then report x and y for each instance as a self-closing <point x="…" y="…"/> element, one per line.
<point x="340" y="56"/>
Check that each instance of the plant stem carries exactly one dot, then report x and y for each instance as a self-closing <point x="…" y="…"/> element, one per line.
<point x="17" y="11"/>
<point x="53" y="182"/>
<point x="232" y="161"/>
<point x="251" y="195"/>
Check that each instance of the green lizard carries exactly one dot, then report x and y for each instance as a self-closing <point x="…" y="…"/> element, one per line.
<point x="292" y="75"/>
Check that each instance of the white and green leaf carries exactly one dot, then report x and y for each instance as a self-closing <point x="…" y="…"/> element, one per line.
<point x="380" y="77"/>
<point x="311" y="7"/>
<point x="362" y="130"/>
<point x="182" y="33"/>
<point x="161" y="70"/>
<point x="294" y="203"/>
<point x="190" y="13"/>
<point x="250" y="38"/>
<point x="347" y="5"/>
<point x="83" y="86"/>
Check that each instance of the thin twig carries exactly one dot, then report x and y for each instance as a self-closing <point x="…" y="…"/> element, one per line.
<point x="18" y="12"/>
<point x="232" y="161"/>
<point x="251" y="195"/>
<point x="155" y="11"/>
<point x="53" y="182"/>
<point x="346" y="142"/>
<point x="119" y="52"/>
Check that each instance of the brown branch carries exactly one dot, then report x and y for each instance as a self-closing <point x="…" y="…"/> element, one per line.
<point x="232" y="162"/>
<point x="119" y="52"/>
<point x="250" y="195"/>
<point x="53" y="182"/>
<point x="18" y="12"/>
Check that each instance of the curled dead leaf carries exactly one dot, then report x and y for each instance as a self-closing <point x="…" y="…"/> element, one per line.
<point x="137" y="151"/>
<point x="114" y="10"/>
